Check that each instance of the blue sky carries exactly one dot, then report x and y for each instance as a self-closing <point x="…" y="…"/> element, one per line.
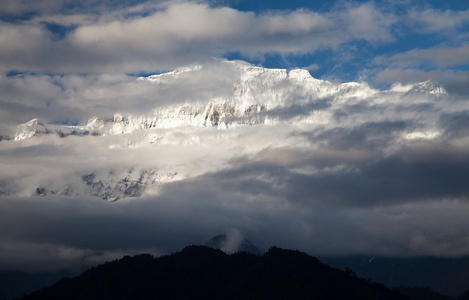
<point x="359" y="65"/>
<point x="380" y="42"/>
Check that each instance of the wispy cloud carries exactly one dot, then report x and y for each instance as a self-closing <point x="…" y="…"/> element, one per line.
<point x="440" y="56"/>
<point x="444" y="22"/>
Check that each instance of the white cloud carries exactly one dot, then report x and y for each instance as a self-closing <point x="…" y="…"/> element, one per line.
<point x="455" y="82"/>
<point x="180" y="33"/>
<point x="367" y="22"/>
<point x="312" y="68"/>
<point x="234" y="238"/>
<point x="344" y="165"/>
<point x="75" y="98"/>
<point x="438" y="56"/>
<point x="438" y="21"/>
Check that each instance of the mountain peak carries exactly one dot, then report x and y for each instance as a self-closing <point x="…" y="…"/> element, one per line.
<point x="429" y="87"/>
<point x="29" y="129"/>
<point x="425" y="87"/>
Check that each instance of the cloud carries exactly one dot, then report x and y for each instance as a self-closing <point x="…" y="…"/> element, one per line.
<point x="312" y="68"/>
<point x="234" y="238"/>
<point x="138" y="36"/>
<point x="361" y="171"/>
<point x="442" y="63"/>
<point x="438" y="21"/>
<point x="24" y="8"/>
<point x="367" y="22"/>
<point x="454" y="81"/>
<point x="437" y="56"/>
<point x="386" y="170"/>
<point x="49" y="233"/>
<point x="179" y="33"/>
<point x="434" y="47"/>
<point x="72" y="99"/>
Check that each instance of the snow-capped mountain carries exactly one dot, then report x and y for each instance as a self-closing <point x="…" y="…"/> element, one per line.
<point x="286" y="102"/>
<point x="35" y="128"/>
<point x="425" y="87"/>
<point x="257" y="97"/>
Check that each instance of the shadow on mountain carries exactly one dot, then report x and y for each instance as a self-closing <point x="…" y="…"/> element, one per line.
<point x="201" y="272"/>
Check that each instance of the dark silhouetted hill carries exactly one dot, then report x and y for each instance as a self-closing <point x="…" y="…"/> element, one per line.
<point x="199" y="272"/>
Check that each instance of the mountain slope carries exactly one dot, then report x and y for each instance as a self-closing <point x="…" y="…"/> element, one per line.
<point x="258" y="96"/>
<point x="254" y="102"/>
<point x="200" y="272"/>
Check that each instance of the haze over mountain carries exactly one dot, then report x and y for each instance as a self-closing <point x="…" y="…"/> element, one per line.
<point x="269" y="98"/>
<point x="276" y="154"/>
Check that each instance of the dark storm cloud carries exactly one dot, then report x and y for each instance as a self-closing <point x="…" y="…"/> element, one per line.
<point x="62" y="232"/>
<point x="413" y="175"/>
<point x="291" y="196"/>
<point x="288" y="205"/>
<point x="424" y="172"/>
<point x="372" y="135"/>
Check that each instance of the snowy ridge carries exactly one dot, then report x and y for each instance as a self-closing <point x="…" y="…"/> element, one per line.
<point x="273" y="100"/>
<point x="258" y="111"/>
<point x="429" y="87"/>
<point x="110" y="186"/>
<point x="257" y="91"/>
<point x="425" y="87"/>
<point x="35" y="127"/>
<point x="256" y="94"/>
<point x="31" y="128"/>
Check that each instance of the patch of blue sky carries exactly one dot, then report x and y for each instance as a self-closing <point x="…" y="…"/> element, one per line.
<point x="265" y="5"/>
<point x="58" y="31"/>
<point x="15" y="18"/>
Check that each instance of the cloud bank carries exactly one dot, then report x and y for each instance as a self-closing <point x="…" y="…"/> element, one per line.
<point x="352" y="171"/>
